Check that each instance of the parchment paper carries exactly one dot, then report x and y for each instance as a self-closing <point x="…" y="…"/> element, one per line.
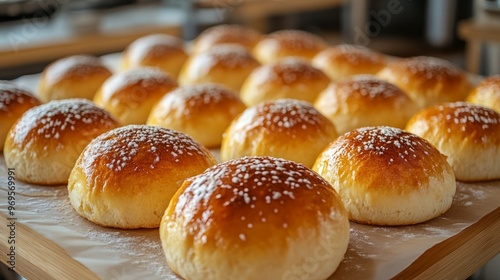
<point x="373" y="253"/>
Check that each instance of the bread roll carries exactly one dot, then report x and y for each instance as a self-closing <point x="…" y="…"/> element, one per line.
<point x="346" y="60"/>
<point x="226" y="34"/>
<point x="487" y="93"/>
<point x="130" y="95"/>
<point x="45" y="142"/>
<point x="125" y="178"/>
<point x="202" y="111"/>
<point x="386" y="176"/>
<point x="14" y="101"/>
<point x="78" y="76"/>
<point x="284" y="43"/>
<point x="428" y="80"/>
<point x="255" y="218"/>
<point x="365" y="100"/>
<point x="288" y="78"/>
<point x="163" y="51"/>
<point x="284" y="128"/>
<point x="228" y="64"/>
<point x="469" y="135"/>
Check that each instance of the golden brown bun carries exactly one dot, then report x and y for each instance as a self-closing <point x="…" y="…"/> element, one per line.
<point x="487" y="93"/>
<point x="226" y="34"/>
<point x="228" y="65"/>
<point x="202" y="111"/>
<point x="163" y="51"/>
<point x="14" y="101"/>
<point x="45" y="142"/>
<point x="126" y="177"/>
<point x="78" y="76"/>
<point x="346" y="60"/>
<point x="386" y="176"/>
<point x="284" y="43"/>
<point x="255" y="218"/>
<point x="428" y="80"/>
<point x="287" y="78"/>
<point x="469" y="135"/>
<point x="284" y="128"/>
<point x="365" y="100"/>
<point x="129" y="96"/>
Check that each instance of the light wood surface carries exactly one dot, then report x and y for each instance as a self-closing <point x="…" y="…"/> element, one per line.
<point x="476" y="32"/>
<point x="96" y="43"/>
<point x="459" y="256"/>
<point x="455" y="258"/>
<point x="39" y="258"/>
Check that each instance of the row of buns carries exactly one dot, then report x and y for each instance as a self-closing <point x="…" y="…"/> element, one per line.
<point x="262" y="211"/>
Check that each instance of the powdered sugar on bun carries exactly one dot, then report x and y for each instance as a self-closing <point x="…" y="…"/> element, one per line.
<point x="387" y="176"/>
<point x="469" y="135"/>
<point x="244" y="207"/>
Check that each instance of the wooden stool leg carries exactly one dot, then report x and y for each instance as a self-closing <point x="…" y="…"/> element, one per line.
<point x="473" y="56"/>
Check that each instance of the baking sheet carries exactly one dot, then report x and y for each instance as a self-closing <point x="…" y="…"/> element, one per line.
<point x="373" y="252"/>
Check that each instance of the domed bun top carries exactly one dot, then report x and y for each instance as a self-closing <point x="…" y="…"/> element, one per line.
<point x="197" y="99"/>
<point x="11" y="94"/>
<point x="287" y="116"/>
<point x="153" y="46"/>
<point x="145" y="78"/>
<point x="345" y="60"/>
<point x="487" y="93"/>
<point x="285" y="43"/>
<point x="55" y="119"/>
<point x="76" y="66"/>
<point x="474" y="122"/>
<point x="118" y="149"/>
<point x="428" y="80"/>
<point x="226" y="34"/>
<point x="288" y="71"/>
<point x="371" y="149"/>
<point x="253" y="197"/>
<point x="226" y="56"/>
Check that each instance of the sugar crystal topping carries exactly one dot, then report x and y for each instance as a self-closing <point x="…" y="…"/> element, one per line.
<point x="383" y="140"/>
<point x="260" y="184"/>
<point x="53" y="118"/>
<point x="229" y="33"/>
<point x="155" y="45"/>
<point x="10" y="93"/>
<point x="297" y="39"/>
<point x="431" y="67"/>
<point x="282" y="114"/>
<point x="187" y="100"/>
<point x="130" y="144"/>
<point x="146" y="76"/>
<point x="370" y="86"/>
<point x="464" y="114"/>
<point x="356" y="54"/>
<point x="491" y="82"/>
<point x="226" y="55"/>
<point x="80" y="65"/>
<point x="287" y="70"/>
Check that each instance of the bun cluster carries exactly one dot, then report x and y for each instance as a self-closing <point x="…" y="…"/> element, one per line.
<point x="309" y="135"/>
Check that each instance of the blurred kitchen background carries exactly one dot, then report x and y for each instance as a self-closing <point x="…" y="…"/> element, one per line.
<point x="467" y="32"/>
<point x="36" y="32"/>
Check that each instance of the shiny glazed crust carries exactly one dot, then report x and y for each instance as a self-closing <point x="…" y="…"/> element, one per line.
<point x="235" y="221"/>
<point x="386" y="176"/>
<point x="469" y="135"/>
<point x="126" y="177"/>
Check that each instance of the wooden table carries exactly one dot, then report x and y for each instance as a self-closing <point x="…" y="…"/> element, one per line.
<point x="77" y="32"/>
<point x="476" y="33"/>
<point x="53" y="242"/>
